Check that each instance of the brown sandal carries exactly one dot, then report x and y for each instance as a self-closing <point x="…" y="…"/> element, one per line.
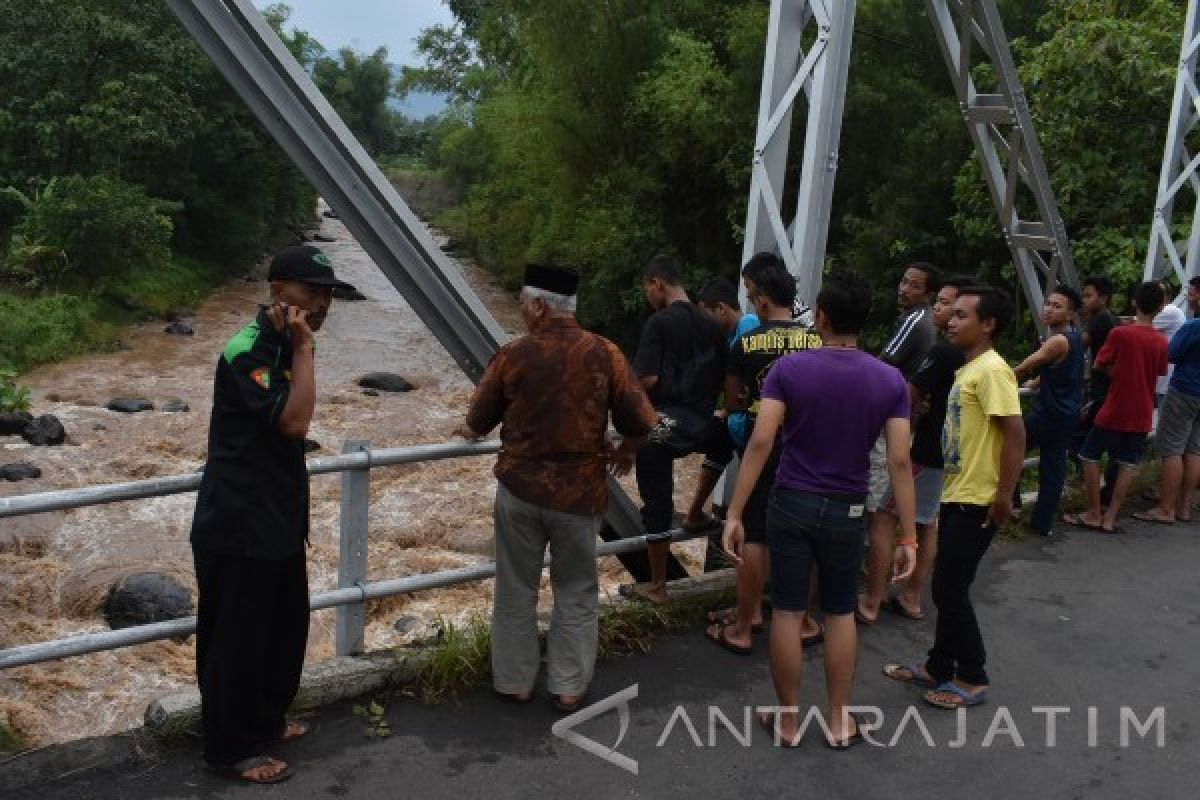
<point x="241" y="770"/>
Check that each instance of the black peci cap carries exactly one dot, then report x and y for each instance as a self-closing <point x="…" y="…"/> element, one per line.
<point x="551" y="279"/>
<point x="305" y="264"/>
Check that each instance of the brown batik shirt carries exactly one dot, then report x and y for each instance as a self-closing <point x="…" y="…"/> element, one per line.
<point x="553" y="391"/>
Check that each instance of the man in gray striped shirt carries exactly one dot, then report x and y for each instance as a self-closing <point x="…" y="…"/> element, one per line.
<point x="915" y="332"/>
<point x="914" y="337"/>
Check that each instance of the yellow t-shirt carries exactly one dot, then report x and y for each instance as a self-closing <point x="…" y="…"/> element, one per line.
<point x="971" y="439"/>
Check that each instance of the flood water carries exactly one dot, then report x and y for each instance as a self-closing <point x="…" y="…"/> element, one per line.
<point x="56" y="569"/>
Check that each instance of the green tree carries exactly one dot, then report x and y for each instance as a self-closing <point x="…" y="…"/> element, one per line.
<point x="358" y="87"/>
<point x="1100" y="76"/>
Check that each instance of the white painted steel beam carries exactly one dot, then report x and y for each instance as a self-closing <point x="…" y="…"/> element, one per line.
<point x="1179" y="169"/>
<point x="821" y="71"/>
<point x="1006" y="142"/>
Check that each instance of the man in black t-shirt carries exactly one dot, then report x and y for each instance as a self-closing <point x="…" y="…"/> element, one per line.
<point x="1098" y="321"/>
<point x="251" y="524"/>
<point x="681" y="363"/>
<point x="929" y="387"/>
<point x="772" y="290"/>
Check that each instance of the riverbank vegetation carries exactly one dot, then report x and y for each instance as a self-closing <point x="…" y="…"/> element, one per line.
<point x="133" y="179"/>
<point x="597" y="134"/>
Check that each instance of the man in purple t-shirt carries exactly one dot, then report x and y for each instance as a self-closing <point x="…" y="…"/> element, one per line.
<point x="832" y="405"/>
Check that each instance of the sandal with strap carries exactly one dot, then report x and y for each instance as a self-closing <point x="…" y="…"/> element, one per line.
<point x="966" y="698"/>
<point x="916" y="675"/>
<point x="715" y="633"/>
<point x="727" y="616"/>
<point x="241" y="770"/>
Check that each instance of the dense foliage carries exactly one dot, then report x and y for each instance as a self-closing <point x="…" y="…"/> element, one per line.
<point x="122" y="153"/>
<point x="131" y="174"/>
<point x="599" y="133"/>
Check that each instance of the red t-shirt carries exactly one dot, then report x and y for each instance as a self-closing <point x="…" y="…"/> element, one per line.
<point x="1135" y="356"/>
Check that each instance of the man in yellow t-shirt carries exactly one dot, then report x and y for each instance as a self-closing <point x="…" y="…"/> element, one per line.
<point x="983" y="443"/>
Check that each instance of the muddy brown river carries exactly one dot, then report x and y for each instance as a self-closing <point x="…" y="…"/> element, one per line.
<point x="56" y="569"/>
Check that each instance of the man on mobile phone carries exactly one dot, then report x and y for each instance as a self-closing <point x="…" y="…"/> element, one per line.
<point x="251" y="524"/>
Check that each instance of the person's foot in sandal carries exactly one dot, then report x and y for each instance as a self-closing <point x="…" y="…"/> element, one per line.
<point x="1088" y="523"/>
<point x="256" y="769"/>
<point x="520" y="698"/>
<point x="1155" y="515"/>
<point x="294" y="729"/>
<point x="647" y="592"/>
<point x="728" y="616"/>
<point x="850" y="737"/>
<point x="568" y="703"/>
<point x="953" y="695"/>
<point x="905" y="673"/>
<point x="863" y="615"/>
<point x="896" y="606"/>
<point x="724" y="635"/>
<point x="779" y="737"/>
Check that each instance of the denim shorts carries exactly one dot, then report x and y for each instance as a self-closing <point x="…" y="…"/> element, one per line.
<point x="927" y="484"/>
<point x="806" y="530"/>
<point x="1122" y="447"/>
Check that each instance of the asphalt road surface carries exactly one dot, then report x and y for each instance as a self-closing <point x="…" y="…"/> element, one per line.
<point x="1106" y="630"/>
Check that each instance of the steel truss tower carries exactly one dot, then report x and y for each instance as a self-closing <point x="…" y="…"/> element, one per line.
<point x="999" y="123"/>
<point x="1179" y="168"/>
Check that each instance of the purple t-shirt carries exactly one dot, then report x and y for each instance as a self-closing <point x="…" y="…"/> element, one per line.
<point x="838" y="401"/>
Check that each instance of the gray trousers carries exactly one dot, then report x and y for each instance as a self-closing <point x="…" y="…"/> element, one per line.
<point x="522" y="532"/>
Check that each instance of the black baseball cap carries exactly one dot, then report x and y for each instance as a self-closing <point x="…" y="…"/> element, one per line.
<point x="305" y="264"/>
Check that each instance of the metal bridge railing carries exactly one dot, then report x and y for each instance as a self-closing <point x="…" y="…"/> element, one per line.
<point x="355" y="463"/>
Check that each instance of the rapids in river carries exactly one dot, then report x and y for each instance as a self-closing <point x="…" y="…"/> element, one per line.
<point x="56" y="568"/>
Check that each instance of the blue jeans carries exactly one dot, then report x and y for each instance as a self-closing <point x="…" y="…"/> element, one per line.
<point x="1051" y="435"/>
<point x="804" y="529"/>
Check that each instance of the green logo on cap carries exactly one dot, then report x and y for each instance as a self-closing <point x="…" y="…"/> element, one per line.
<point x="322" y="259"/>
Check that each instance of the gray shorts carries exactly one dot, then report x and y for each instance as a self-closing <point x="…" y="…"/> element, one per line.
<point x="1178" y="425"/>
<point x="927" y="483"/>
<point x="877" y="485"/>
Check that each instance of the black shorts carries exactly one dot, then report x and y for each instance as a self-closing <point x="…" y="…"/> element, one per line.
<point x="806" y="529"/>
<point x="754" y="515"/>
<point x="717" y="446"/>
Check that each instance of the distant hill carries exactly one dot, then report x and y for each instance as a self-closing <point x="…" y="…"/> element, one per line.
<point x="419" y="105"/>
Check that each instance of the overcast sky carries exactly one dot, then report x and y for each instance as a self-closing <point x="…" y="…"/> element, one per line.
<point x="366" y="24"/>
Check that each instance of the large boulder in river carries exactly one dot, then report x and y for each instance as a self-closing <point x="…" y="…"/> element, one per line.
<point x="19" y="471"/>
<point x="146" y="597"/>
<point x="44" y="431"/>
<point x="129" y="405"/>
<point x="385" y="382"/>
<point x="13" y="422"/>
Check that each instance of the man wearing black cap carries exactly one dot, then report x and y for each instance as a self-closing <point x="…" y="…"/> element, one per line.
<point x="251" y="523"/>
<point x="552" y="392"/>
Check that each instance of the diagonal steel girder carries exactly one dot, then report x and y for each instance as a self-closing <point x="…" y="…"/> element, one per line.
<point x="1002" y="131"/>
<point x="821" y="73"/>
<point x="1179" y="169"/>
<point x="280" y="94"/>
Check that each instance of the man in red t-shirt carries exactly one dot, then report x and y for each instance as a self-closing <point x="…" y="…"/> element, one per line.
<point x="1134" y="356"/>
